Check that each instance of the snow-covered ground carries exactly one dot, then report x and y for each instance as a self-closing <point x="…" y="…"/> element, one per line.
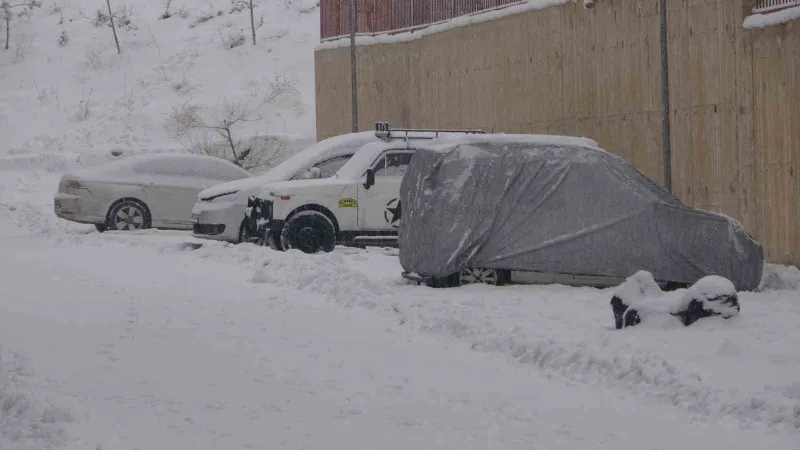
<point x="157" y="340"/>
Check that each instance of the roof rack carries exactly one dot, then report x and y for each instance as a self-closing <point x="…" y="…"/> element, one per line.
<point x="382" y="131"/>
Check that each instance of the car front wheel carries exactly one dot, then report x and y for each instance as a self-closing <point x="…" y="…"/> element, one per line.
<point x="309" y="232"/>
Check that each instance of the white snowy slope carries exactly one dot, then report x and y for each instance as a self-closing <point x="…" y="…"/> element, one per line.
<point x="44" y="86"/>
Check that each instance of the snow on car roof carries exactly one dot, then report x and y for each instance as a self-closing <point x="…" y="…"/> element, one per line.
<point x="447" y="142"/>
<point x="129" y="164"/>
<point x="126" y="161"/>
<point x="366" y="155"/>
<point x="331" y="147"/>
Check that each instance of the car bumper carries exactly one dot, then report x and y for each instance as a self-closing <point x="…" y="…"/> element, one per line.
<point x="78" y="209"/>
<point x="217" y="221"/>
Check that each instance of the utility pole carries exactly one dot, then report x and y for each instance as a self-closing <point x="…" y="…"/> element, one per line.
<point x="353" y="85"/>
<point x="665" y="118"/>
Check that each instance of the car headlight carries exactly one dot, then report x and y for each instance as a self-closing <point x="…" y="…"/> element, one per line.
<point x="227" y="195"/>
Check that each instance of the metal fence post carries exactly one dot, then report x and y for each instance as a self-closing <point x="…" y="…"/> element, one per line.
<point x="353" y="85"/>
<point x="665" y="117"/>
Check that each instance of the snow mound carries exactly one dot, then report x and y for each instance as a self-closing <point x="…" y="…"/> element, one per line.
<point x="327" y="274"/>
<point x="779" y="278"/>
<point x="27" y="422"/>
<point x="638" y="286"/>
<point x="491" y="320"/>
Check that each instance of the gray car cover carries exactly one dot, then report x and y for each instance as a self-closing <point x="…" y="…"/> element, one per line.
<point x="559" y="208"/>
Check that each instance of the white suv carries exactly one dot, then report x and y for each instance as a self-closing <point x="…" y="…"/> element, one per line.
<point x="219" y="212"/>
<point x="358" y="206"/>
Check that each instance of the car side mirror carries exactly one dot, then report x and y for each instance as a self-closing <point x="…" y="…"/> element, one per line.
<point x="370" y="179"/>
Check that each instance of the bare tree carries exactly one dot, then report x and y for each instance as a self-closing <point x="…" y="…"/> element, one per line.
<point x="120" y="19"/>
<point x="220" y="134"/>
<point x="7" y="13"/>
<point x="252" y="23"/>
<point x="240" y="5"/>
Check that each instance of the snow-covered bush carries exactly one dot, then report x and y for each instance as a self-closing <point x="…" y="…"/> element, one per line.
<point x="83" y="109"/>
<point x="237" y="6"/>
<point x="204" y="18"/>
<point x="183" y="85"/>
<point x="119" y="19"/>
<point x="167" y="13"/>
<point x="233" y="38"/>
<point x="22" y="11"/>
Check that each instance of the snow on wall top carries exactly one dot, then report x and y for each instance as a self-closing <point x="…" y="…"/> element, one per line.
<point x="772" y="18"/>
<point x="461" y="21"/>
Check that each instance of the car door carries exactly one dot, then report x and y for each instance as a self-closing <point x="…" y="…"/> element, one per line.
<point x="379" y="206"/>
<point x="175" y="185"/>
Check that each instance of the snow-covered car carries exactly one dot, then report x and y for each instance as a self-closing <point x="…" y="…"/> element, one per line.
<point x="492" y="208"/>
<point x="358" y="206"/>
<point x="219" y="212"/>
<point x="141" y="191"/>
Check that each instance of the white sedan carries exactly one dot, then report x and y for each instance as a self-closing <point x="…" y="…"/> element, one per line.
<point x="142" y="191"/>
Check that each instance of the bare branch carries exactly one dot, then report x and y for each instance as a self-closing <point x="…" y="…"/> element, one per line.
<point x="221" y="134"/>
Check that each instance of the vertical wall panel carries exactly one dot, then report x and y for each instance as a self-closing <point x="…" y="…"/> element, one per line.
<point x="735" y="98"/>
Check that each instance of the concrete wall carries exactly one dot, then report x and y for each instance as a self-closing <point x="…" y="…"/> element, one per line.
<point x="735" y="96"/>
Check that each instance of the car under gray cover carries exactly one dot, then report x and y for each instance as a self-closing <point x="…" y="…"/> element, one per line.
<point x="545" y="204"/>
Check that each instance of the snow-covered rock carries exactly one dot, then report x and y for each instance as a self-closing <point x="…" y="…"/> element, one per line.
<point x="639" y="298"/>
<point x="710" y="296"/>
<point x="639" y="295"/>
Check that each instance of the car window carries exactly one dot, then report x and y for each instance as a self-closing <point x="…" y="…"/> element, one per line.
<point x="222" y="170"/>
<point x="327" y="167"/>
<point x="188" y="167"/>
<point x="393" y="163"/>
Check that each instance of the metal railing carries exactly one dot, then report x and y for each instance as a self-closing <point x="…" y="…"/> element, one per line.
<point x="765" y="6"/>
<point x="393" y="16"/>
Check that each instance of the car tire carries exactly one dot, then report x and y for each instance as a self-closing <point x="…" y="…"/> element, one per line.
<point x="493" y="277"/>
<point x="309" y="232"/>
<point x="101" y="227"/>
<point x="128" y="215"/>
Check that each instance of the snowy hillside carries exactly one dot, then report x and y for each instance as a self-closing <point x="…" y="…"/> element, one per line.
<point x="77" y="94"/>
